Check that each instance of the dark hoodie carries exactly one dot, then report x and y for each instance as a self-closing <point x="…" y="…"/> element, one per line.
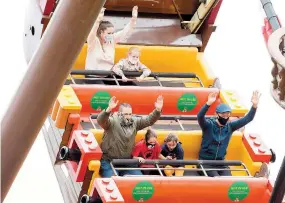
<point x="215" y="139"/>
<point x="177" y="152"/>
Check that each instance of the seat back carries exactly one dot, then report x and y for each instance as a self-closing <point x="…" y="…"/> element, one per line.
<point x="192" y="189"/>
<point x="191" y="142"/>
<point x="157" y="58"/>
<point x="177" y="101"/>
<point x="162" y="59"/>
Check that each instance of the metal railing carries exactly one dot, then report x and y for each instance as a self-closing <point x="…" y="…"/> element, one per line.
<point x="202" y="165"/>
<point x="111" y="76"/>
<point x="175" y="118"/>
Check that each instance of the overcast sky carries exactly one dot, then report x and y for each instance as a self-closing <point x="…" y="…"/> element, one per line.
<point x="236" y="53"/>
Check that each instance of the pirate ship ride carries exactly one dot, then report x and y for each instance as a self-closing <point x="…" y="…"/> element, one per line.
<point x="172" y="36"/>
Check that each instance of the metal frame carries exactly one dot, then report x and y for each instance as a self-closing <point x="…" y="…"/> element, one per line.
<point x="162" y="118"/>
<point x="155" y="75"/>
<point x="199" y="163"/>
<point x="91" y="120"/>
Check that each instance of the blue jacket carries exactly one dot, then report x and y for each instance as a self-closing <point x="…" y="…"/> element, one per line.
<point x="215" y="139"/>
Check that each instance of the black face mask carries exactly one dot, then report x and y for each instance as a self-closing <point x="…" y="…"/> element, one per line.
<point x="223" y="121"/>
<point x="150" y="146"/>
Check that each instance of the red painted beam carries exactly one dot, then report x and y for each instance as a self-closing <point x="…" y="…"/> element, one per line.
<point x="47" y="6"/>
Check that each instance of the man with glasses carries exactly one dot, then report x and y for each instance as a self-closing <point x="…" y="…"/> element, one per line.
<point x="120" y="130"/>
<point x="217" y="131"/>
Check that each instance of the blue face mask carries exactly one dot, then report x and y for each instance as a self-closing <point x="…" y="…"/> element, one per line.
<point x="108" y="38"/>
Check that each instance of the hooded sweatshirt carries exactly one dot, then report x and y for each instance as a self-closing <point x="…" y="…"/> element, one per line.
<point x="215" y="138"/>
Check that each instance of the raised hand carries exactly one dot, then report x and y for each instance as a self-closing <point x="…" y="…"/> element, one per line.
<point x="169" y="157"/>
<point x="101" y="14"/>
<point x="141" y="160"/>
<point x="135" y="12"/>
<point x="139" y="79"/>
<point x="212" y="98"/>
<point x="159" y="103"/>
<point x="255" y="98"/>
<point x="113" y="103"/>
<point x="125" y="79"/>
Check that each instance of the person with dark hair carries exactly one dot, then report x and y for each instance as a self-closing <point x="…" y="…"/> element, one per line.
<point x="217" y="131"/>
<point x="148" y="148"/>
<point x="172" y="148"/>
<point x="102" y="40"/>
<point x="120" y="130"/>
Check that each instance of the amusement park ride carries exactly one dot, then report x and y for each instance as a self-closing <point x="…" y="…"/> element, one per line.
<point x="172" y="35"/>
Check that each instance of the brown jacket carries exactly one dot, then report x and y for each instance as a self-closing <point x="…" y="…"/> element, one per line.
<point x="118" y="139"/>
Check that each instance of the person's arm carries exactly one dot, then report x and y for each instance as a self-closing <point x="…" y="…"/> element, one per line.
<point x="103" y="118"/>
<point x="180" y="154"/>
<point x="157" y="151"/>
<point x="243" y="121"/>
<point x="201" y="115"/>
<point x="249" y="116"/>
<point x="136" y="152"/>
<point x="146" y="71"/>
<point x="149" y="120"/>
<point x="118" y="68"/>
<point x="118" y="36"/>
<point x="160" y="156"/>
<point x="163" y="151"/>
<point x="93" y="33"/>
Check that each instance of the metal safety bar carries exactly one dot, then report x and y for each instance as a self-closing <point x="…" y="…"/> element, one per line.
<point x="155" y="75"/>
<point x="270" y="14"/>
<point x="175" y="118"/>
<point x="91" y="121"/>
<point x="201" y="164"/>
<point x="132" y="74"/>
<point x="164" y="117"/>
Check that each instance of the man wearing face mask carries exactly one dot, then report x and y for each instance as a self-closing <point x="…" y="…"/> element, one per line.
<point x="217" y="131"/>
<point x="131" y="63"/>
<point x="120" y="130"/>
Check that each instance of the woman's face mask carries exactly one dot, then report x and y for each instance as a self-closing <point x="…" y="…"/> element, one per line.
<point x="109" y="38"/>
<point x="108" y="35"/>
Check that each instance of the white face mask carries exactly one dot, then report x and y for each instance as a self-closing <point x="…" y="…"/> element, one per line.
<point x="108" y="38"/>
<point x="133" y="61"/>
